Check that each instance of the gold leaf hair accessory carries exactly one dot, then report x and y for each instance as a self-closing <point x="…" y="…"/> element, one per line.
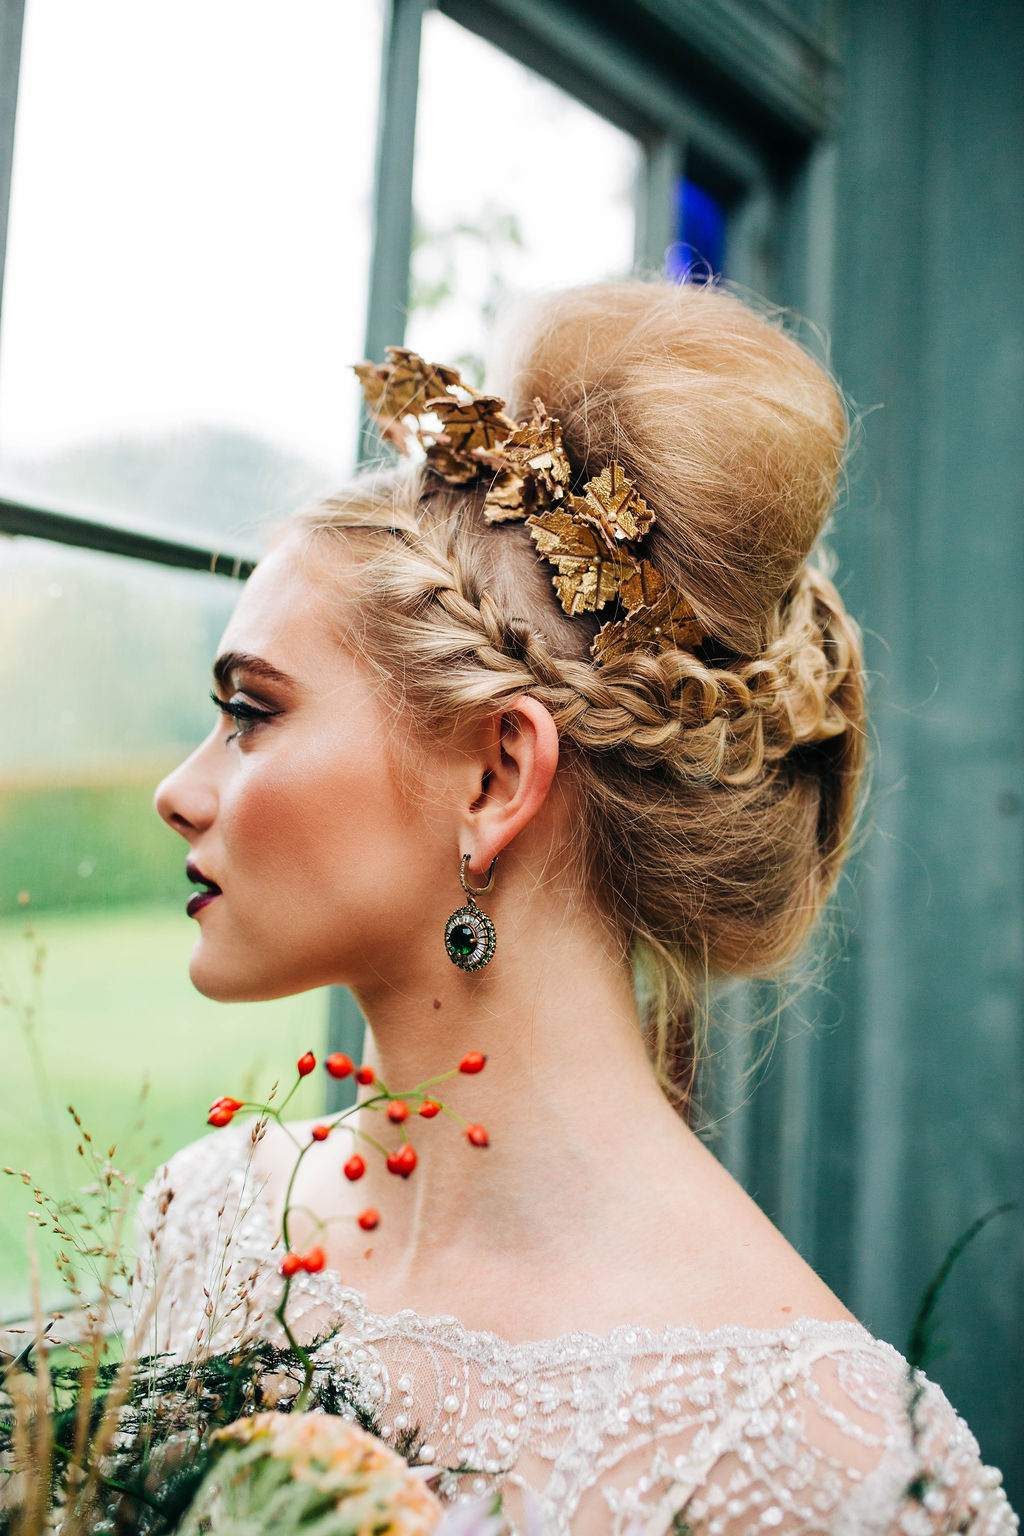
<point x="467" y="436"/>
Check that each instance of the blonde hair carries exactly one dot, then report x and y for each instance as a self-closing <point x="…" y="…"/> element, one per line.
<point x="717" y="793"/>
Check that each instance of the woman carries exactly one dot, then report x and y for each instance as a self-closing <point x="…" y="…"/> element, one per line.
<point x="579" y="650"/>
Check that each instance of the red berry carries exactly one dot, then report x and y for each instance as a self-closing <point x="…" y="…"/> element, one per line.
<point x="338" y="1065"/>
<point x="477" y="1136"/>
<point x="227" y="1102"/>
<point x="397" y="1111"/>
<point x="291" y="1264"/>
<point x="368" y="1219"/>
<point x="305" y="1064"/>
<point x="220" y="1115"/>
<point x="403" y="1161"/>
<point x="314" y="1259"/>
<point x="364" y="1075"/>
<point x="473" y="1062"/>
<point x="429" y="1108"/>
<point x="320" y="1132"/>
<point x="355" y="1167"/>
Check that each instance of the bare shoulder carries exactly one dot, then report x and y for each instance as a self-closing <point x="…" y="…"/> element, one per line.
<point x="724" y="1260"/>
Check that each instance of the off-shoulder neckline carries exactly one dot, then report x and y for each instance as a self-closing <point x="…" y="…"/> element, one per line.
<point x="628" y="1338"/>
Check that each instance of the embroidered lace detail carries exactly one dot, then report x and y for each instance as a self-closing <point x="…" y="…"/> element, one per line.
<point x="723" y="1432"/>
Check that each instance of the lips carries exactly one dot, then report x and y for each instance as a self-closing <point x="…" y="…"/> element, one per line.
<point x="201" y="898"/>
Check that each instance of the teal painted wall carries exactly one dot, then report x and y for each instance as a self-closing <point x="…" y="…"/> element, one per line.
<point x="919" y="1103"/>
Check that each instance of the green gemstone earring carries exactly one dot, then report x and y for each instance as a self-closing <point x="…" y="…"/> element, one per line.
<point x="469" y="934"/>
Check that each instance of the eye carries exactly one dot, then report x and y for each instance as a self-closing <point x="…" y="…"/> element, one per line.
<point x="246" y="716"/>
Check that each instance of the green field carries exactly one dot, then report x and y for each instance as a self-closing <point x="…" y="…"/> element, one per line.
<point x="114" y="1009"/>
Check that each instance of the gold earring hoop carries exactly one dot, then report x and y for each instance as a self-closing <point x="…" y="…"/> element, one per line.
<point x="469" y="935"/>
<point x="476" y="890"/>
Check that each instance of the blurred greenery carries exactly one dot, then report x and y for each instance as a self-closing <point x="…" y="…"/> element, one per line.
<point x="87" y="845"/>
<point x="114" y="1008"/>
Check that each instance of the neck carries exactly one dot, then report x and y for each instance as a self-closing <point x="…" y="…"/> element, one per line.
<point x="568" y="1097"/>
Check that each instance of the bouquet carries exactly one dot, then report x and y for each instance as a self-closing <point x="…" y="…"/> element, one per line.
<point x="261" y="1439"/>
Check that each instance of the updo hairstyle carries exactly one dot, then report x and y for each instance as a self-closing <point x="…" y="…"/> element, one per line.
<point x="717" y="791"/>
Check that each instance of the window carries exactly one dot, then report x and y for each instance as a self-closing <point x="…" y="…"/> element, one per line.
<point x="188" y="257"/>
<point x="698" y="251"/>
<point x="493" y="214"/>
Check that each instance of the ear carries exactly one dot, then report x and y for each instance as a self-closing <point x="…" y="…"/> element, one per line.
<point x="514" y="767"/>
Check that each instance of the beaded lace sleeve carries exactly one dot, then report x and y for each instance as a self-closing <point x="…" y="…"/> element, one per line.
<point x="671" y="1432"/>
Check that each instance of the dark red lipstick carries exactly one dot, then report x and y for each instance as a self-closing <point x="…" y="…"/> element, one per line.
<point x="204" y="897"/>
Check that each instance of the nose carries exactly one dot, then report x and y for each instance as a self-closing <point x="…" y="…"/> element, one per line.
<point x="186" y="799"/>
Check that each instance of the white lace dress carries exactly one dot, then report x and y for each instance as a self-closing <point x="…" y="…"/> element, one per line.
<point x="725" y="1432"/>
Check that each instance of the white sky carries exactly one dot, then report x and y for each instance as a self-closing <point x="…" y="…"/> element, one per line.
<point x="190" y="224"/>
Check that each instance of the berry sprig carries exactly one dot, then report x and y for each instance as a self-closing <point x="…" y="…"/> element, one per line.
<point x="402" y="1162"/>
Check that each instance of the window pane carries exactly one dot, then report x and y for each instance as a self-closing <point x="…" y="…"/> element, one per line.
<point x="517" y="187"/>
<point x="105" y="668"/>
<point x="188" y="255"/>
<point x="698" y="251"/>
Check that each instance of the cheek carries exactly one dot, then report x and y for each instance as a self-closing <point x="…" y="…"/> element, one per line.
<point x="330" y="825"/>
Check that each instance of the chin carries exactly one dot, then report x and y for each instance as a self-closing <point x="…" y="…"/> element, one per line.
<point x="222" y="986"/>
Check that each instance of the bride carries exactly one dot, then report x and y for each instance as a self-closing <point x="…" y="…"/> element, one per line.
<point x="527" y="742"/>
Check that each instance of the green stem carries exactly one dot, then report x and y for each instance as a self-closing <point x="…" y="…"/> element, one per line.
<point x="288" y="1199"/>
<point x="287" y="1096"/>
<point x="377" y="1146"/>
<point x="430" y="1081"/>
<point x="281" y="1312"/>
<point x="307" y="1359"/>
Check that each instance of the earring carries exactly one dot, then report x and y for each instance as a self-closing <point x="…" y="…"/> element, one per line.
<point x="469" y="935"/>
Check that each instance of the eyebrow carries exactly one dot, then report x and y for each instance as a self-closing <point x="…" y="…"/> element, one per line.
<point x="242" y="661"/>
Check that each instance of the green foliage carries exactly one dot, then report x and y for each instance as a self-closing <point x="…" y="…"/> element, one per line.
<point x="921" y="1343"/>
<point x="86" y="845"/>
<point x="164" y="1424"/>
<point x="113" y="1009"/>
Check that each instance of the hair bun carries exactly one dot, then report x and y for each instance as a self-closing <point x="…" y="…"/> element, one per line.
<point x="732" y="433"/>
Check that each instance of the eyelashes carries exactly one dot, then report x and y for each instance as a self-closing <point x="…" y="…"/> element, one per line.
<point x="245" y="716"/>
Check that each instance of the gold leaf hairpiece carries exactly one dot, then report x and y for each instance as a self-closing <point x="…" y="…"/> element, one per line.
<point x="585" y="538"/>
<point x="533" y="472"/>
<point x="401" y="387"/>
<point x="614" y="506"/>
<point x="587" y="573"/>
<point x="659" y="626"/>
